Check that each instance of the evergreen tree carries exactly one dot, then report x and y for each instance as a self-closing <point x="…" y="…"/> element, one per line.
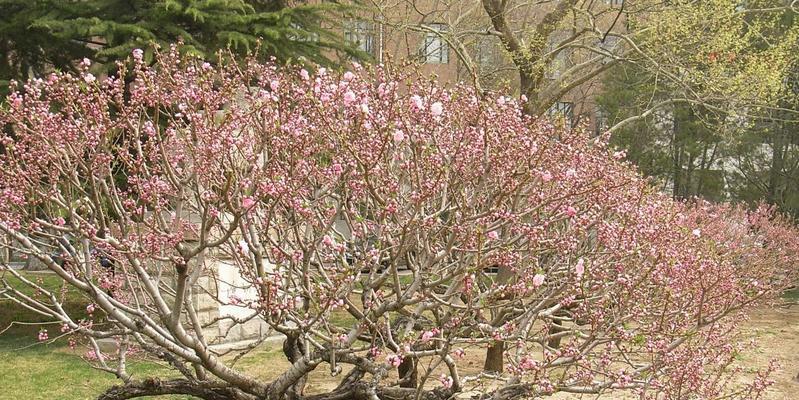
<point x="38" y="35"/>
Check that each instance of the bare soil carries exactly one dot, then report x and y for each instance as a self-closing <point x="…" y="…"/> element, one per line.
<point x="777" y="334"/>
<point x="776" y="331"/>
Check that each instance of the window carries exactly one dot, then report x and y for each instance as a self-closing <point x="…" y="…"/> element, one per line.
<point x="486" y="52"/>
<point x="434" y="49"/>
<point x="562" y="110"/>
<point x="360" y="35"/>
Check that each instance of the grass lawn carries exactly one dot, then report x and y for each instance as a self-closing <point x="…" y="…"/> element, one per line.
<point x="54" y="372"/>
<point x="791" y="295"/>
<point x="30" y="370"/>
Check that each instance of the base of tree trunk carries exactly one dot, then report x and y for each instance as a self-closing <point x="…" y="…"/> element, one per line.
<point x="495" y="358"/>
<point x="407" y="373"/>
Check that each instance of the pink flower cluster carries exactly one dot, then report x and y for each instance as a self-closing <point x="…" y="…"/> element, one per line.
<point x="472" y="221"/>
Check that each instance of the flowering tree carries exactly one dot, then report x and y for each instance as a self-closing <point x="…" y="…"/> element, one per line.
<point x="380" y="198"/>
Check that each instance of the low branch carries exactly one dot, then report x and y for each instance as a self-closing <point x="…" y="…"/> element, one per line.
<point x="156" y="387"/>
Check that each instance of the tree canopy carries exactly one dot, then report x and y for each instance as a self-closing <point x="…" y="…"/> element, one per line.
<point x="729" y="148"/>
<point x="363" y="216"/>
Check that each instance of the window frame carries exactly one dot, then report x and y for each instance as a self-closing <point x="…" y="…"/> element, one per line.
<point x="439" y="54"/>
<point x="360" y="34"/>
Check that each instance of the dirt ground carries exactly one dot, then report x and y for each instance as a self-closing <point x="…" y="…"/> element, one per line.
<point x="777" y="333"/>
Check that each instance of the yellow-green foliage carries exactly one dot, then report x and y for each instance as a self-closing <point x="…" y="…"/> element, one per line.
<point x="721" y="51"/>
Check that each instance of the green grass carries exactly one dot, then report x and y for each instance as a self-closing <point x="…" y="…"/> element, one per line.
<point x="73" y="302"/>
<point x="791" y="295"/>
<point x="31" y="370"/>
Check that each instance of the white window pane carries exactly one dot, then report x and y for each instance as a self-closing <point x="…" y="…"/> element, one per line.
<point x="434" y="49"/>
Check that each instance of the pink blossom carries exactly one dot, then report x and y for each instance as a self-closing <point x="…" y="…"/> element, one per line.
<point x="304" y="74"/>
<point x="493" y="235"/>
<point x="446" y="381"/>
<point x="416" y="101"/>
<point x="365" y="108"/>
<point x="274" y="85"/>
<point x="328" y="241"/>
<point x="398" y="135"/>
<point x="348" y="76"/>
<point x="579" y="269"/>
<point x="527" y="364"/>
<point x="571" y="173"/>
<point x="138" y="54"/>
<point x="349" y="97"/>
<point x="91" y="355"/>
<point x="436" y="109"/>
<point x="571" y="211"/>
<point x="538" y="280"/>
<point x="90" y="308"/>
<point x="43" y="335"/>
<point x="245" y="248"/>
<point x="394" y="360"/>
<point x="247" y="202"/>
<point x="546" y="176"/>
<point x="697" y="232"/>
<point x="89" y="78"/>
<point x="428" y="335"/>
<point x="459" y="353"/>
<point x="468" y="282"/>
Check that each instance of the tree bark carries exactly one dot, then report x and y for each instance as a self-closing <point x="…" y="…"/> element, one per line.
<point x="156" y="387"/>
<point x="495" y="358"/>
<point x="775" y="172"/>
<point x="495" y="361"/>
<point x="676" y="156"/>
<point x="294" y="349"/>
<point x="408" y="373"/>
<point x="557" y="327"/>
